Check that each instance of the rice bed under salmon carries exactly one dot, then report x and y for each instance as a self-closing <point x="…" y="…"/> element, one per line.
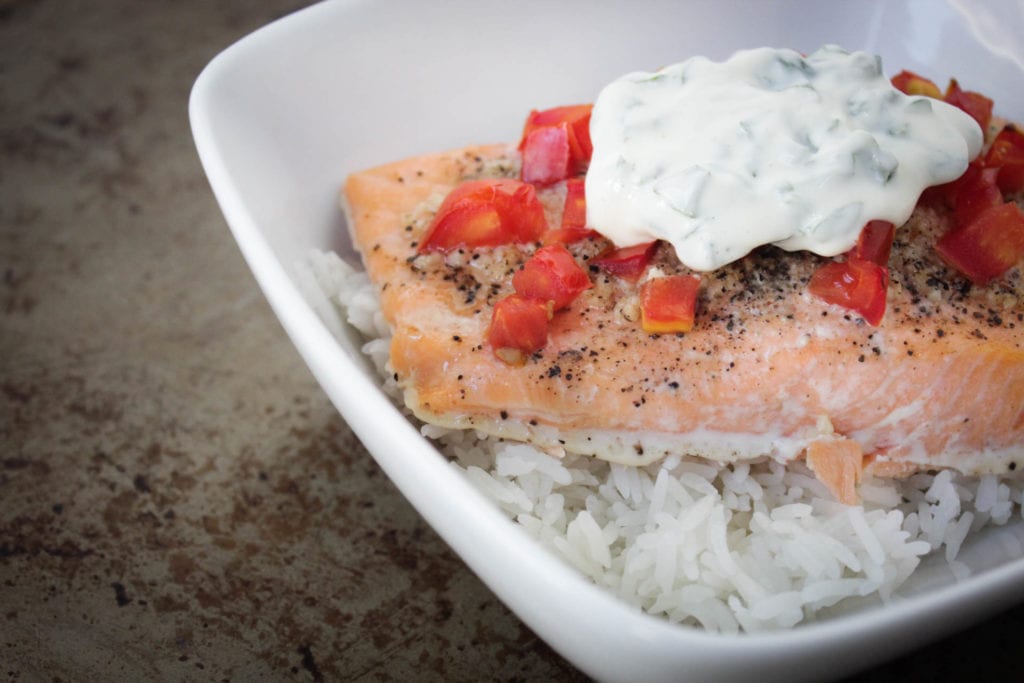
<point x="728" y="547"/>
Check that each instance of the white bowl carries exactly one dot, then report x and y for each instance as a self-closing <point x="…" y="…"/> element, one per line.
<point x="281" y="117"/>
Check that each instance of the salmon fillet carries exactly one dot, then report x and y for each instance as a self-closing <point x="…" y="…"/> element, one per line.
<point x="768" y="369"/>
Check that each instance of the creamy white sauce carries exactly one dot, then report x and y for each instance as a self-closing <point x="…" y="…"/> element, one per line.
<point x="768" y="147"/>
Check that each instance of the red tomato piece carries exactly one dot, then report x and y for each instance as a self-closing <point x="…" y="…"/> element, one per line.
<point x="910" y="83"/>
<point x="519" y="327"/>
<point x="556" y="144"/>
<point x="628" y="263"/>
<point x="855" y="284"/>
<point x="547" y="155"/>
<point x="574" y="216"/>
<point x="1007" y="154"/>
<point x="976" y="194"/>
<point x="486" y="213"/>
<point x="669" y="304"/>
<point x="551" y="274"/>
<point x="875" y="242"/>
<point x="521" y="211"/>
<point x="951" y="190"/>
<point x="576" y="115"/>
<point x="975" y="104"/>
<point x="988" y="246"/>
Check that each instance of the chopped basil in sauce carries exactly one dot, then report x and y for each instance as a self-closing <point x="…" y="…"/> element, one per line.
<point x="768" y="147"/>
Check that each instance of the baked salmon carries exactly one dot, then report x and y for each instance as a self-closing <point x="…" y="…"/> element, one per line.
<point x="768" y="370"/>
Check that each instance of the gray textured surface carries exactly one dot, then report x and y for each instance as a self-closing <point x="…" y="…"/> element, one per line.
<point x="178" y="499"/>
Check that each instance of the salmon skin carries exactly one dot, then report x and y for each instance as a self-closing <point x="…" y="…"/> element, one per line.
<point x="768" y="370"/>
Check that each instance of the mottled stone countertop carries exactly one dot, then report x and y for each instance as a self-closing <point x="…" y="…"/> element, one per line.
<point x="178" y="499"/>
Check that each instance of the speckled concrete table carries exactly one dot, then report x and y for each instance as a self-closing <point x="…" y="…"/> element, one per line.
<point x="178" y="499"/>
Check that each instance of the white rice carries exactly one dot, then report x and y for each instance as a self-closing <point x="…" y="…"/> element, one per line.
<point x="739" y="547"/>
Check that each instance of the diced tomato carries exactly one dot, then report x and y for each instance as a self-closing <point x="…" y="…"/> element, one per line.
<point x="574" y="216"/>
<point x="1007" y="154"/>
<point x="551" y="274"/>
<point x="936" y="194"/>
<point x="988" y="246"/>
<point x="975" y="104"/>
<point x="547" y="155"/>
<point x="556" y="144"/>
<point x="519" y="327"/>
<point x="576" y="115"/>
<point x="976" y="194"/>
<point x="951" y="191"/>
<point x="628" y="263"/>
<point x="856" y="284"/>
<point x="910" y="83"/>
<point x="669" y="304"/>
<point x="875" y="242"/>
<point x="486" y="213"/>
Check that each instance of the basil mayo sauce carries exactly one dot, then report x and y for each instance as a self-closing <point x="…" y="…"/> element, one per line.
<point x="767" y="147"/>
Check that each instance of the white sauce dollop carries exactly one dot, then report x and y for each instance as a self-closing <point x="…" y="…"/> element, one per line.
<point x="768" y="147"/>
